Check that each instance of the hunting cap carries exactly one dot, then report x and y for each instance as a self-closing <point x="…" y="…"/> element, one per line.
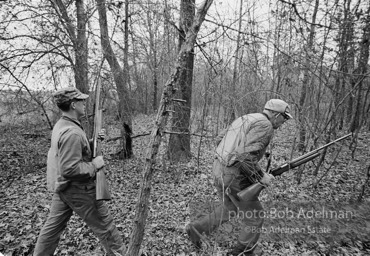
<point x="67" y="94"/>
<point x="279" y="106"/>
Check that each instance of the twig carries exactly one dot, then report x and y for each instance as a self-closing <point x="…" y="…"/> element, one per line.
<point x="328" y="169"/>
<point x="188" y="133"/>
<point x="168" y="132"/>
<point x="132" y="137"/>
<point x="294" y="6"/>
<point x="179" y="100"/>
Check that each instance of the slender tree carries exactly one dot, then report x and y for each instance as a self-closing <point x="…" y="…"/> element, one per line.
<point x="142" y="205"/>
<point x="361" y="73"/>
<point x="231" y="115"/>
<point x="120" y="77"/>
<point x="77" y="35"/>
<point x="306" y="83"/>
<point x="179" y="143"/>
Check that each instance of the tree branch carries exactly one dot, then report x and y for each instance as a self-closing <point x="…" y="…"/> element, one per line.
<point x="61" y="10"/>
<point x="294" y="6"/>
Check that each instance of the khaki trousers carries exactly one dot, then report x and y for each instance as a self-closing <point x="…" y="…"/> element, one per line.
<point x="81" y="200"/>
<point x="227" y="182"/>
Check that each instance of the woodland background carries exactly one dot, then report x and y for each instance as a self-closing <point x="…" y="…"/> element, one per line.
<point x="312" y="54"/>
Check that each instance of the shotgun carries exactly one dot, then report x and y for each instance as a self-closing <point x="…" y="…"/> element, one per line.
<point x="102" y="187"/>
<point x="252" y="192"/>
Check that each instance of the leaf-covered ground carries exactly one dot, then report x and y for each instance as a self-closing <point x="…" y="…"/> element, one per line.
<point x="181" y="192"/>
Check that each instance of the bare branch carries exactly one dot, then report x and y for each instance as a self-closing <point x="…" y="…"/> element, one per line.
<point x="294" y="6"/>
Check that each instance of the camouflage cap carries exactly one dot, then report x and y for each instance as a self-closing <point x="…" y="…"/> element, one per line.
<point x="279" y="106"/>
<point x="67" y="94"/>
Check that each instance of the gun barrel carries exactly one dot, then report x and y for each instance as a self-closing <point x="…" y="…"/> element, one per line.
<point x="281" y="169"/>
<point x="102" y="186"/>
<point x="304" y="160"/>
<point x="313" y="152"/>
<point x="251" y="193"/>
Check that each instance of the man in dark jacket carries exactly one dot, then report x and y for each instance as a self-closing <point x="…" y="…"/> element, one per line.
<point x="71" y="177"/>
<point x="236" y="167"/>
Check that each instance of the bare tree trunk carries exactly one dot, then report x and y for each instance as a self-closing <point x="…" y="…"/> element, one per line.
<point x="179" y="143"/>
<point x="230" y="116"/>
<point x="346" y="62"/>
<point x="125" y="52"/>
<point x="81" y="64"/>
<point x="204" y="114"/>
<point x="81" y="67"/>
<point x="120" y="77"/>
<point x="141" y="91"/>
<point x="306" y="82"/>
<point x="142" y="205"/>
<point x="361" y="73"/>
<point x="153" y="62"/>
<point x="79" y="42"/>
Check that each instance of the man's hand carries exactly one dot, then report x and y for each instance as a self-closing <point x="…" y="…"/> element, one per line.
<point x="98" y="162"/>
<point x="266" y="179"/>
<point x="102" y="134"/>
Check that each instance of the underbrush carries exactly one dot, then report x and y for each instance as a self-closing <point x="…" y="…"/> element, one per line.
<point x="180" y="192"/>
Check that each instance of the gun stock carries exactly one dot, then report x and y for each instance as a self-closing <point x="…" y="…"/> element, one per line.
<point x="102" y="187"/>
<point x="252" y="192"/>
<point x="102" y="190"/>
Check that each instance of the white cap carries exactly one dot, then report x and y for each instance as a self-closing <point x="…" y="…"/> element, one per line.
<point x="279" y="106"/>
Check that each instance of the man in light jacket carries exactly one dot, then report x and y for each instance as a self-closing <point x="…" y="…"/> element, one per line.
<point x="71" y="177"/>
<point x="236" y="167"/>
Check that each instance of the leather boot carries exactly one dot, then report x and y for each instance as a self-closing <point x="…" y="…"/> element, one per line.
<point x="193" y="236"/>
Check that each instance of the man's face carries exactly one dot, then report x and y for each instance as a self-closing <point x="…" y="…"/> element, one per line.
<point x="278" y="120"/>
<point x="79" y="107"/>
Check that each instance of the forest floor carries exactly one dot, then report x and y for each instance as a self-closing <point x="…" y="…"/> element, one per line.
<point x="182" y="191"/>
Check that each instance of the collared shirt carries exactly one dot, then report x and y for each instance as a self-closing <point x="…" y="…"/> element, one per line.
<point x="69" y="157"/>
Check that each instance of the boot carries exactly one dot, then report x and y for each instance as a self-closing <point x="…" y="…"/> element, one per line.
<point x="193" y="236"/>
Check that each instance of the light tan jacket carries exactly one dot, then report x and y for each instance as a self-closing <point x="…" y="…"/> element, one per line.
<point x="248" y="134"/>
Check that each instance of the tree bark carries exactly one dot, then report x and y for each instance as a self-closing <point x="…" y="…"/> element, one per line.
<point x="79" y="42"/>
<point x="81" y="67"/>
<point x="231" y="115"/>
<point x="142" y="205"/>
<point x="153" y="62"/>
<point x="179" y="144"/>
<point x="120" y="77"/>
<point x="346" y="63"/>
<point x="361" y="74"/>
<point x="306" y="82"/>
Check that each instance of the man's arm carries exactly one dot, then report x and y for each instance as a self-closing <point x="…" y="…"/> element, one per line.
<point x="72" y="165"/>
<point x="249" y="153"/>
<point x="255" y="143"/>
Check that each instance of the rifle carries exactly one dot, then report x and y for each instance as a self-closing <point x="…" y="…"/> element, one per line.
<point x="252" y="192"/>
<point x="102" y="187"/>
